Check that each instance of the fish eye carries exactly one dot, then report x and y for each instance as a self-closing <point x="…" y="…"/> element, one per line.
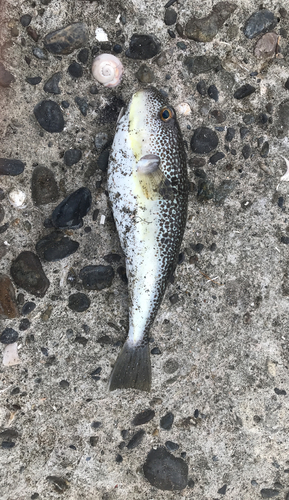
<point x="166" y="114"/>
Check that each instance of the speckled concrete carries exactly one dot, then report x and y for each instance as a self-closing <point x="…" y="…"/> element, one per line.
<point x="228" y="332"/>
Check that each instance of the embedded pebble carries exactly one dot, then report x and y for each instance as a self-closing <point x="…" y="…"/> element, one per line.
<point x="8" y="336"/>
<point x="60" y="484"/>
<point x="248" y="119"/>
<point x="170" y="17"/>
<point x="213" y="92"/>
<point x="171" y="446"/>
<point x="11" y="167"/>
<point x="39" y="53"/>
<point x="143" y="417"/>
<point x="246" y="151"/>
<point x="8" y="305"/>
<point x="143" y="47"/>
<point x="204" y="140"/>
<point x="55" y="246"/>
<point x="75" y="70"/>
<point x="69" y="213"/>
<point x="166" y="421"/>
<point x="66" y="40"/>
<point x="145" y="74"/>
<point x="205" y="29"/>
<point x="49" y="116"/>
<point x="24" y="324"/>
<point x="222" y="490"/>
<point x="101" y="140"/>
<point x="25" y="20"/>
<point x="287" y="84"/>
<point x="266" y="46"/>
<point x="219" y="115"/>
<point x="52" y="84"/>
<point x="43" y="186"/>
<point x="35" y="80"/>
<point x="282" y="121"/>
<point x="202" y="88"/>
<point x="83" y="55"/>
<point x="165" y="471"/>
<point x="82" y="105"/>
<point x="26" y="271"/>
<point x="260" y="22"/>
<point x="2" y="213"/>
<point x="220" y="194"/>
<point x="102" y="160"/>
<point x="96" y="277"/>
<point x="265" y="150"/>
<point x="6" y="78"/>
<point x="72" y="156"/>
<point x="17" y="198"/>
<point x="28" y="308"/>
<point x="201" y="64"/>
<point x="171" y="366"/>
<point x="78" y="302"/>
<point x="32" y="33"/>
<point x="216" y="157"/>
<point x="136" y="439"/>
<point x="244" y="91"/>
<point x="243" y="132"/>
<point x="269" y="493"/>
<point x="11" y="358"/>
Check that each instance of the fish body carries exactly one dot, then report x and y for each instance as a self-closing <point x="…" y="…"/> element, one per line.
<point x="148" y="190"/>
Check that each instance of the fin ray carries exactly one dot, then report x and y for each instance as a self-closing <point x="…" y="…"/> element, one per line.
<point x="132" y="368"/>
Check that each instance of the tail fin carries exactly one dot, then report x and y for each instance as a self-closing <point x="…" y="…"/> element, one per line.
<point x="132" y="368"/>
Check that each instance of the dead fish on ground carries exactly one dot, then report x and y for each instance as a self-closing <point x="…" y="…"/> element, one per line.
<point x="148" y="190"/>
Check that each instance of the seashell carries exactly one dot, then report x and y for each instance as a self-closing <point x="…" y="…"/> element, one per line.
<point x="183" y="109"/>
<point x="17" y="198"/>
<point x="285" y="177"/>
<point x="107" y="69"/>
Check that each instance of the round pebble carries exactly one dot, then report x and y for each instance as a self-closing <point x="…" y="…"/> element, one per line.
<point x="213" y="92"/>
<point x="145" y="74"/>
<point x="49" y="116"/>
<point x="78" y="302"/>
<point x="75" y="70"/>
<point x="72" y="156"/>
<point x="28" y="308"/>
<point x="66" y="40"/>
<point x="25" y="20"/>
<point x="69" y="213"/>
<point x="8" y="336"/>
<point x="170" y="17"/>
<point x="55" y="246"/>
<point x="44" y="187"/>
<point x="143" y="47"/>
<point x="165" y="471"/>
<point x="11" y="167"/>
<point x="244" y="91"/>
<point x="204" y="140"/>
<point x="259" y="22"/>
<point x="83" y="55"/>
<point x="96" y="277"/>
<point x="35" y="80"/>
<point x="26" y="270"/>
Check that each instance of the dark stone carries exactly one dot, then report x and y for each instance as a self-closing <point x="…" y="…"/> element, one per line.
<point x="24" y="324"/>
<point x="8" y="336"/>
<point x="66" y="40"/>
<point x="95" y="374"/>
<point x="93" y="89"/>
<point x="25" y="20"/>
<point x="265" y="150"/>
<point x="246" y="151"/>
<point x="282" y="123"/>
<point x="216" y="157"/>
<point x="78" y="302"/>
<point x="261" y="21"/>
<point x="243" y="132"/>
<point x="112" y="258"/>
<point x="65" y="104"/>
<point x="156" y="351"/>
<point x="144" y="74"/>
<point x="166" y="422"/>
<point x="102" y="160"/>
<point x="191" y="482"/>
<point x="143" y="47"/>
<point x="287" y="84"/>
<point x="121" y="271"/>
<point x="196" y="162"/>
<point x="248" y="119"/>
<point x="117" y="48"/>
<point x="136" y="439"/>
<point x="8" y="305"/>
<point x="75" y="70"/>
<point x="263" y="118"/>
<point x="28" y="308"/>
<point x="49" y="116"/>
<point x="165" y="471"/>
<point x="174" y="298"/>
<point x="230" y="134"/>
<point x="82" y="105"/>
<point x="4" y="228"/>
<point x="52" y="84"/>
<point x="109" y="114"/>
<point x="222" y="491"/>
<point x="201" y="87"/>
<point x="82" y="56"/>
<point x="27" y="272"/>
<point x="285" y="240"/>
<point x="170" y="17"/>
<point x="11" y="167"/>
<point x="201" y="64"/>
<point x="72" y="156"/>
<point x="199" y="172"/>
<point x="44" y="187"/>
<point x="219" y="116"/>
<point x="95" y="425"/>
<point x="171" y="366"/>
<point x="60" y="484"/>
<point x="280" y="392"/>
<point x="93" y="440"/>
<point x="244" y="91"/>
<point x="221" y="193"/>
<point x="171" y="446"/>
<point x="32" y="33"/>
<point x="118" y="458"/>
<point x="7" y="444"/>
<point x="33" y="80"/>
<point x="143" y="417"/>
<point x="96" y="277"/>
<point x="205" y="29"/>
<point x="68" y="214"/>
<point x="2" y="213"/>
<point x="182" y="45"/>
<point x="5" y="76"/>
<point x="205" y="190"/>
<point x="269" y="493"/>
<point x="55" y="246"/>
<point x="39" y="53"/>
<point x="204" y="140"/>
<point x="213" y="92"/>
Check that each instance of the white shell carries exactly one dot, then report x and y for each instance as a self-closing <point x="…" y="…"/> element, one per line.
<point x="17" y="198"/>
<point x="101" y="35"/>
<point x="107" y="69"/>
<point x="10" y="355"/>
<point x="285" y="177"/>
<point x="183" y="109"/>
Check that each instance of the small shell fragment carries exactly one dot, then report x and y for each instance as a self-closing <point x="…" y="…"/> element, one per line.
<point x="101" y="35"/>
<point x="183" y="109"/>
<point x="17" y="198"/>
<point x="10" y="355"/>
<point x="285" y="177"/>
<point x="107" y="69"/>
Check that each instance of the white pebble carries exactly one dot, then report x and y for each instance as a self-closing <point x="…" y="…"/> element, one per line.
<point x="183" y="109"/>
<point x="101" y="35"/>
<point x="17" y="198"/>
<point x="10" y="355"/>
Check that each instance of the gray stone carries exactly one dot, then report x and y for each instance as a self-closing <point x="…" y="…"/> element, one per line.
<point x="201" y="64"/>
<point x="259" y="22"/>
<point x="51" y="86"/>
<point x="66" y="40"/>
<point x="206" y="28"/>
<point x="44" y="187"/>
<point x="165" y="471"/>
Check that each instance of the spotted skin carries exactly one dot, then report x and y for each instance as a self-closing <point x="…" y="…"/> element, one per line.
<point x="149" y="210"/>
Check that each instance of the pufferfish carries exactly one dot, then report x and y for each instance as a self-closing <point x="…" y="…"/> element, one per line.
<point x="148" y="190"/>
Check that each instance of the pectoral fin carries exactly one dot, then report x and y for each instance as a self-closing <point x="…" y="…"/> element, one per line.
<point x="152" y="180"/>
